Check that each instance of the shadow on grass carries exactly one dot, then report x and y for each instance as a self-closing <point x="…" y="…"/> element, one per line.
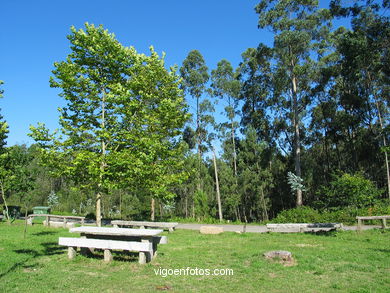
<point x="43" y="233"/>
<point x="13" y="268"/>
<point x="52" y="248"/>
<point x="331" y="233"/>
<point x="124" y="256"/>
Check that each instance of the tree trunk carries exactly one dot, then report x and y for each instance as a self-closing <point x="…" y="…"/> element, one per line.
<point x="152" y="210"/>
<point x="99" y="209"/>
<point x="217" y="187"/>
<point x="5" y="203"/>
<point x="102" y="166"/>
<point x="384" y="145"/>
<point x="186" y="205"/>
<point x="297" y="140"/>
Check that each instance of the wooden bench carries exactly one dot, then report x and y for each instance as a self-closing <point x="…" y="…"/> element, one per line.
<point x="162" y="225"/>
<point x="107" y="246"/>
<point x="303" y="227"/>
<point x="64" y="220"/>
<point x="363" y="218"/>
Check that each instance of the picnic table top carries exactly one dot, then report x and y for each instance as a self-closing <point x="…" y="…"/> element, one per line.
<point x="115" y="231"/>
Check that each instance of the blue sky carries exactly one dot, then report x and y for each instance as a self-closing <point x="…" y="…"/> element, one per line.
<point x="33" y="36"/>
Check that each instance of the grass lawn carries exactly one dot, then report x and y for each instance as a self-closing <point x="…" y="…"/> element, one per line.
<point x="335" y="262"/>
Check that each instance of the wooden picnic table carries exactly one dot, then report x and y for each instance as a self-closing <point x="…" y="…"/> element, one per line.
<point x="142" y="240"/>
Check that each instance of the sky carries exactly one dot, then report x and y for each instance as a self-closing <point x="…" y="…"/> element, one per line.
<point x="33" y="37"/>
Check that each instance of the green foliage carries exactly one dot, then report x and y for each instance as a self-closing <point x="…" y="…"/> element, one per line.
<point x="346" y="215"/>
<point x="349" y="191"/>
<point x="124" y="112"/>
<point x="298" y="215"/>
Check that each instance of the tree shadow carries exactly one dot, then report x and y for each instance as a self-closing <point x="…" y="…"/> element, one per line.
<point x="331" y="233"/>
<point x="52" y="248"/>
<point x="32" y="252"/>
<point x="44" y="233"/>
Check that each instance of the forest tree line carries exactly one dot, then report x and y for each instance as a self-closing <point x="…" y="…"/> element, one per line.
<point x="305" y="123"/>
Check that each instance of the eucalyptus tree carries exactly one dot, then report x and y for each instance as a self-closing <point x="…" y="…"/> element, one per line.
<point x="226" y="86"/>
<point x="123" y="116"/>
<point x="195" y="77"/>
<point x="300" y="28"/>
<point x="364" y="71"/>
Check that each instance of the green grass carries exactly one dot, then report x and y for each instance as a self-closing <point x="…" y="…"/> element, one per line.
<point x="336" y="262"/>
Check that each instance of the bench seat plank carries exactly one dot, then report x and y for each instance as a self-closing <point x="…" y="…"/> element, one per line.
<point x="106" y="244"/>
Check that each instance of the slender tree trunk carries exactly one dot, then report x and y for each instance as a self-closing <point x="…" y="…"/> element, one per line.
<point x="25" y="223"/>
<point x="102" y="166"/>
<point x="385" y="145"/>
<point x="186" y="205"/>
<point x="265" y="212"/>
<point x="297" y="140"/>
<point x="120" y="204"/>
<point x="5" y="203"/>
<point x="152" y="209"/>
<point x="161" y="210"/>
<point x="217" y="187"/>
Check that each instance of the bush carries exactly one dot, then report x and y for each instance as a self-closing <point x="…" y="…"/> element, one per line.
<point x="346" y="215"/>
<point x="298" y="215"/>
<point x="348" y="191"/>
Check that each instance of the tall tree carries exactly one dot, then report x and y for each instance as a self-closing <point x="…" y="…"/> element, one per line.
<point x="124" y="111"/>
<point x="194" y="73"/>
<point x="227" y="87"/>
<point x="299" y="27"/>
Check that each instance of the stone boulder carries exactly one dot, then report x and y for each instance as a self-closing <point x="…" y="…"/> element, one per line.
<point x="281" y="256"/>
<point x="211" y="230"/>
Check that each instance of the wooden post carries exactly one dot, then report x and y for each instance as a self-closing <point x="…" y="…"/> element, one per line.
<point x="108" y="255"/>
<point x="71" y="252"/>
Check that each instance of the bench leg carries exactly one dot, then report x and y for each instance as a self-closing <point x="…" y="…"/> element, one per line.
<point x="108" y="255"/>
<point x="29" y="221"/>
<point x="71" y="252"/>
<point x="64" y="225"/>
<point x="146" y="256"/>
<point x="170" y="230"/>
<point x="359" y="226"/>
<point x="115" y="226"/>
<point x="384" y="224"/>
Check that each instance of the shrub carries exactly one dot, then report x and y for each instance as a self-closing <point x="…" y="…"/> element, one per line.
<point x="298" y="215"/>
<point x="346" y="215"/>
<point x="348" y="191"/>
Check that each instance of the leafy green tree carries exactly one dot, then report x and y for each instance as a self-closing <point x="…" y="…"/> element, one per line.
<point x="227" y="87"/>
<point x="124" y="112"/>
<point x="300" y="29"/>
<point x="255" y="178"/>
<point x="195" y="76"/>
<point x="349" y="190"/>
